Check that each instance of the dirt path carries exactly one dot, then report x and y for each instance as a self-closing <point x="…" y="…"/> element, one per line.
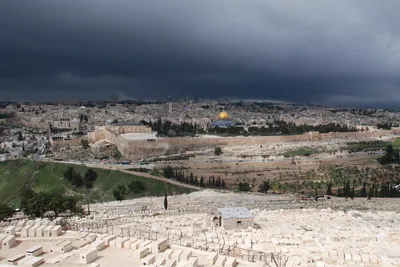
<point x="146" y="175"/>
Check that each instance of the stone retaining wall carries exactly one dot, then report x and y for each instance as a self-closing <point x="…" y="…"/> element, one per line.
<point x="139" y="149"/>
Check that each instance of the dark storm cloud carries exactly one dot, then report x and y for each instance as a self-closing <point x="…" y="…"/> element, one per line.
<point x="335" y="51"/>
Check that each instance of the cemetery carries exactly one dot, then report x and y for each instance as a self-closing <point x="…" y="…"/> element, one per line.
<point x="274" y="231"/>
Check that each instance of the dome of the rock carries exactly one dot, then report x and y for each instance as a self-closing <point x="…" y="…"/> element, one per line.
<point x="223" y="115"/>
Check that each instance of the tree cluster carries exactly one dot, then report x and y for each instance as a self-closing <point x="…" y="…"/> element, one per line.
<point x="38" y="203"/>
<point x="167" y="128"/>
<point x="83" y="117"/>
<point x="391" y="156"/>
<point x="5" y="211"/>
<point x="86" y="182"/>
<point x="386" y="125"/>
<point x="384" y="189"/>
<point x="264" y="187"/>
<point x="244" y="187"/>
<point x="77" y="180"/>
<point x="180" y="176"/>
<point x="217" y="151"/>
<point x="85" y="144"/>
<point x="133" y="187"/>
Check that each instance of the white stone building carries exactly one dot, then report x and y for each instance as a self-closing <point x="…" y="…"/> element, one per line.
<point x="234" y="218"/>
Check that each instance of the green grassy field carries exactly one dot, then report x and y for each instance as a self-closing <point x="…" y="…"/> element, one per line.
<point x="46" y="176"/>
<point x="371" y="145"/>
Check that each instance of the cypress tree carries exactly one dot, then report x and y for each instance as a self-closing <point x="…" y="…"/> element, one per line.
<point x="329" y="189"/>
<point x="363" y="192"/>
<point x="370" y="192"/>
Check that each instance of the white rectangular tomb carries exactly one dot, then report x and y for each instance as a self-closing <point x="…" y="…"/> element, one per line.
<point x="56" y="230"/>
<point x="170" y="263"/>
<point x="34" y="251"/>
<point x="141" y="253"/>
<point x="10" y="230"/>
<point x="221" y="260"/>
<point x="35" y="261"/>
<point x="13" y="260"/>
<point x="32" y="230"/>
<point x="159" y="246"/>
<point x="98" y="245"/>
<point x="108" y="239"/>
<point x="47" y="231"/>
<point x="192" y="262"/>
<point x="8" y="242"/>
<point x="212" y="258"/>
<point x="40" y="230"/>
<point x="148" y="260"/>
<point x="25" y="231"/>
<point x="186" y="255"/>
<point x="62" y="247"/>
<point x="230" y="262"/>
<point x="88" y="256"/>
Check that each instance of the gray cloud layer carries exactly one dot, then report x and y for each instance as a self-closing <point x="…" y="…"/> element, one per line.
<point x="334" y="51"/>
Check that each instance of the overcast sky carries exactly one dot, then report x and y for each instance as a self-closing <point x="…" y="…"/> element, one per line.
<point x="339" y="52"/>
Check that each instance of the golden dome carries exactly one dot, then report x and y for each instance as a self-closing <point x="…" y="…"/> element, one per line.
<point x="223" y="115"/>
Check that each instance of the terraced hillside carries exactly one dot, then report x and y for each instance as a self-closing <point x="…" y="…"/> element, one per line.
<point x="14" y="175"/>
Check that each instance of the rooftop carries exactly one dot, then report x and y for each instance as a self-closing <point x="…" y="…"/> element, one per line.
<point x="235" y="212"/>
<point x="128" y="124"/>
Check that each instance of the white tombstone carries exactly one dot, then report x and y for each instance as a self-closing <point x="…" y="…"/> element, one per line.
<point x="40" y="230"/>
<point x="108" y="239"/>
<point x="56" y="230"/>
<point x="62" y="247"/>
<point x="141" y="253"/>
<point x="135" y="245"/>
<point x="98" y="245"/>
<point x="192" y="262"/>
<point x="47" y="231"/>
<point x="25" y="230"/>
<point x="88" y="256"/>
<point x="170" y="263"/>
<point x="148" y="260"/>
<point x="186" y="255"/>
<point x="24" y="260"/>
<point x="167" y="253"/>
<point x="35" y="261"/>
<point x="32" y="230"/>
<point x="13" y="260"/>
<point x="10" y="230"/>
<point x="212" y="258"/>
<point x="230" y="262"/>
<point x="8" y="242"/>
<point x="177" y="255"/>
<point x="160" y="261"/>
<point x="34" y="251"/>
<point x="159" y="246"/>
<point x="221" y="260"/>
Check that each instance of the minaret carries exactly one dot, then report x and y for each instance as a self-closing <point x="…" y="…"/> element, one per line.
<point x="170" y="108"/>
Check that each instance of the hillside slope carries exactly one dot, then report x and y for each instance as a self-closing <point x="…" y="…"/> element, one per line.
<point x="14" y="175"/>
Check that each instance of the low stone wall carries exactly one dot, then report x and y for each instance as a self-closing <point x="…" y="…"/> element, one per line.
<point x="66" y="143"/>
<point x="140" y="149"/>
<point x="237" y="223"/>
